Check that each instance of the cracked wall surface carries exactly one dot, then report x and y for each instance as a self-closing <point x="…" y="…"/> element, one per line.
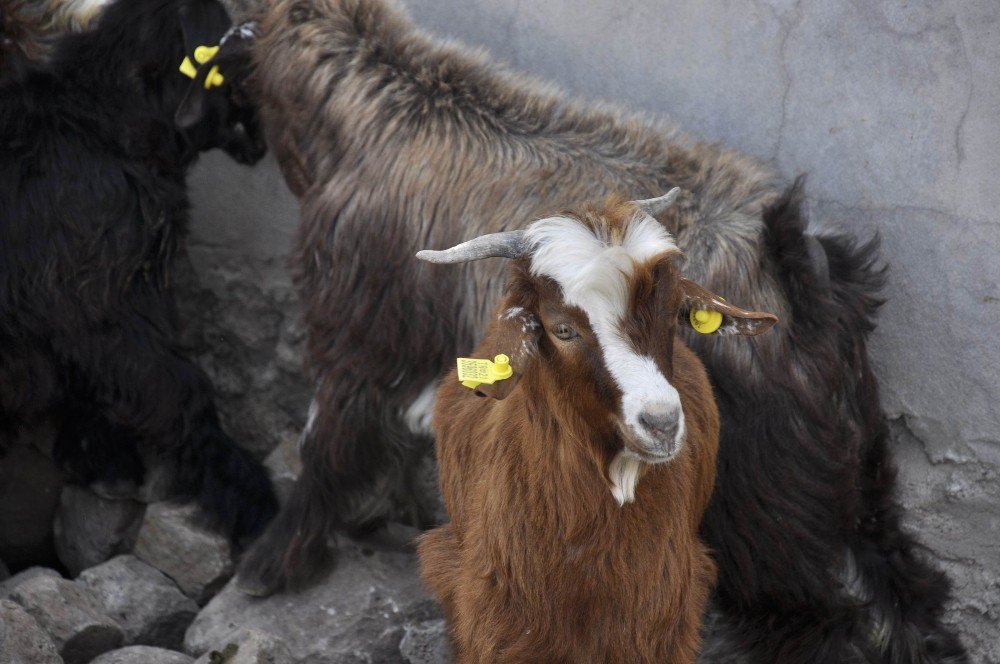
<point x="892" y="108"/>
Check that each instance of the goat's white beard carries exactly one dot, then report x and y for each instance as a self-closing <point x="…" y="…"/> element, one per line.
<point x="624" y="474"/>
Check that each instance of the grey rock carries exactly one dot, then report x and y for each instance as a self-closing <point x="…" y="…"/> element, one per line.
<point x="150" y="607"/>
<point x="142" y="655"/>
<point x="284" y="465"/>
<point x="71" y="616"/>
<point x="171" y="540"/>
<point x="358" y="613"/>
<point x="249" y="646"/>
<point x="8" y="586"/>
<point x="89" y="529"/>
<point x="22" y="640"/>
<point x="157" y="485"/>
<point x="426" y="643"/>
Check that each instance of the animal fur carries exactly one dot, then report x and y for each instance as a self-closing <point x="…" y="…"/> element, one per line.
<point x="92" y="212"/>
<point x="547" y="557"/>
<point x="394" y="142"/>
<point x="30" y="28"/>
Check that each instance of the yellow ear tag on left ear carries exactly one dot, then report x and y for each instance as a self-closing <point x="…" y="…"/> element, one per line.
<point x="188" y="69"/>
<point x="203" y="54"/>
<point x="214" y="79"/>
<point x="706" y="321"/>
<point x="473" y="372"/>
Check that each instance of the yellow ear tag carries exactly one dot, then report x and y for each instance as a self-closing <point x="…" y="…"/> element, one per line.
<point x="214" y="78"/>
<point x="474" y="372"/>
<point x="188" y="69"/>
<point x="706" y="321"/>
<point x="203" y="54"/>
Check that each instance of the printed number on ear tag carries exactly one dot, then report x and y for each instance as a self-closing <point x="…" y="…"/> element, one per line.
<point x="472" y="372"/>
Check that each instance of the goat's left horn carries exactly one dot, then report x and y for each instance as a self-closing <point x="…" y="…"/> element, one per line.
<point x="242" y="31"/>
<point x="654" y="206"/>
<point x="508" y="244"/>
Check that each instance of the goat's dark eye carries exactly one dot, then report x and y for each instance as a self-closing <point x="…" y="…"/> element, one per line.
<point x="564" y="332"/>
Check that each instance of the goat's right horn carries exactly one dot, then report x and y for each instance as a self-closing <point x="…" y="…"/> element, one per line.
<point x="654" y="206"/>
<point x="508" y="244"/>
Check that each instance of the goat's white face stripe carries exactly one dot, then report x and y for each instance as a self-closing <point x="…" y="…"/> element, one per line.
<point x="594" y="275"/>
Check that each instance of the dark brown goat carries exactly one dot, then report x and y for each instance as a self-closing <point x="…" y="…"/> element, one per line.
<point x="576" y="492"/>
<point x="394" y="142"/>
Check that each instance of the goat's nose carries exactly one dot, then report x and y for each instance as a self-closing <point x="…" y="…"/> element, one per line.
<point x="661" y="423"/>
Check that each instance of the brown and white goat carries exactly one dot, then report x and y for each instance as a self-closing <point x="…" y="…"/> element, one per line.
<point x="575" y="493"/>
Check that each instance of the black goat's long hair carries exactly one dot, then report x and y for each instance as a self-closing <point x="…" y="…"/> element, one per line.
<point x="93" y="209"/>
<point x="814" y="565"/>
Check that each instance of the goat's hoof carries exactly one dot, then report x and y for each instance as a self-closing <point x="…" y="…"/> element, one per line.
<point x="254" y="587"/>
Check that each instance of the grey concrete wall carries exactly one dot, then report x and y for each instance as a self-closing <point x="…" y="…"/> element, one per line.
<point x="892" y="107"/>
<point x="236" y="298"/>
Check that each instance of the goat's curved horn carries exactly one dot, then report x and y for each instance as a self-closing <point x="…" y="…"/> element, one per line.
<point x="654" y="206"/>
<point x="508" y="244"/>
<point x="242" y="31"/>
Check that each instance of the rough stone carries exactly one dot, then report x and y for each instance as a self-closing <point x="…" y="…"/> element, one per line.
<point x="235" y="296"/>
<point x="70" y="615"/>
<point x="171" y="540"/>
<point x="89" y="529"/>
<point x="22" y="640"/>
<point x="150" y="607"/>
<point x="426" y="643"/>
<point x="249" y="647"/>
<point x="8" y="586"/>
<point x="359" y="613"/>
<point x="142" y="655"/>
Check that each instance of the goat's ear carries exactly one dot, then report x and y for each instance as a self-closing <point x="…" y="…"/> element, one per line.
<point x="514" y="332"/>
<point x="203" y="23"/>
<point x="192" y="108"/>
<point x="708" y="313"/>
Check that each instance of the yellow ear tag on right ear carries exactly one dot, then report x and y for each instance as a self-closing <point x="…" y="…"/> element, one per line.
<point x="706" y="321"/>
<point x="473" y="372"/>
<point x="203" y="54"/>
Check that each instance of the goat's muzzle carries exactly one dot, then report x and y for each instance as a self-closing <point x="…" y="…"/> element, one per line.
<point x="662" y="433"/>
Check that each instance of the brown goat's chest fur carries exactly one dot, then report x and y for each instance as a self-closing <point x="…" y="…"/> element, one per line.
<point x="540" y="563"/>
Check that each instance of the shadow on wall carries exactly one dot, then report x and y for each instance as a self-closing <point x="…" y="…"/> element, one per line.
<point x="240" y="313"/>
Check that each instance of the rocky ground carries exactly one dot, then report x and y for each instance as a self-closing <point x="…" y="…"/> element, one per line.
<point x="144" y="583"/>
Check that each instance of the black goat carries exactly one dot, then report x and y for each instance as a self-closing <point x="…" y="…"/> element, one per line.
<point x="94" y="150"/>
